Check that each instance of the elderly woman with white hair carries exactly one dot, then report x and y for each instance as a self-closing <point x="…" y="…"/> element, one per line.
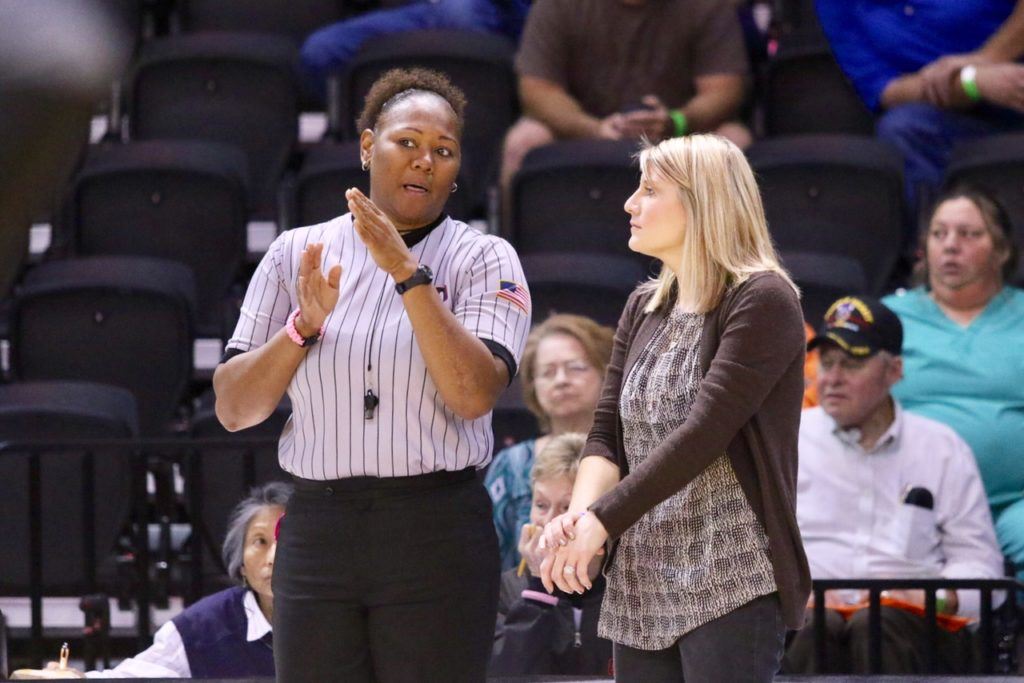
<point x="227" y="634"/>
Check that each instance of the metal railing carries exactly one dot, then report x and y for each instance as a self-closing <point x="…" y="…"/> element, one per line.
<point x="142" y="456"/>
<point x="144" y="453"/>
<point x="875" y="587"/>
<point x="3" y="646"/>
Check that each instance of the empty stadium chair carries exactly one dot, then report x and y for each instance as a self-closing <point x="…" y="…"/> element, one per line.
<point x="995" y="163"/>
<point x="594" y="285"/>
<point x="797" y="16"/>
<point x="237" y="89"/>
<point x="216" y="478"/>
<point x="49" y="207"/>
<point x="480" y="64"/>
<point x="331" y="168"/>
<point x="569" y="197"/>
<point x="834" y="194"/>
<point x="823" y="278"/>
<point x="124" y="321"/>
<point x="64" y="508"/>
<point x="807" y="92"/>
<point x="179" y="200"/>
<point x="128" y="16"/>
<point x="292" y="19"/>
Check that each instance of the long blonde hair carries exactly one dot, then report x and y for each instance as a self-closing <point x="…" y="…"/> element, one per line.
<point x="726" y="235"/>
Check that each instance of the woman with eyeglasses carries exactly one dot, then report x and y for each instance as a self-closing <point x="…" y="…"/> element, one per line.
<point x="562" y="371"/>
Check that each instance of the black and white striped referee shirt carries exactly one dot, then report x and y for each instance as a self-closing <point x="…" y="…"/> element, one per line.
<point x="412" y="432"/>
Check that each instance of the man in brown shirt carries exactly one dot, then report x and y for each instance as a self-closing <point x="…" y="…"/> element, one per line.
<point x="619" y="69"/>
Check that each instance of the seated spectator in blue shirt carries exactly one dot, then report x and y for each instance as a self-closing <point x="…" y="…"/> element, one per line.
<point x="883" y="493"/>
<point x="938" y="72"/>
<point x="227" y="634"/>
<point x="562" y="371"/>
<point x="332" y="48"/>
<point x="540" y="633"/>
<point x="963" y="351"/>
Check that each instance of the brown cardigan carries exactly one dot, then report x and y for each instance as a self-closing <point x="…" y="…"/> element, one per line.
<point x="748" y="406"/>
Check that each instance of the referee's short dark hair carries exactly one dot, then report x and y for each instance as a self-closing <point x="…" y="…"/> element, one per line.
<point x="397" y="84"/>
<point x="233" y="552"/>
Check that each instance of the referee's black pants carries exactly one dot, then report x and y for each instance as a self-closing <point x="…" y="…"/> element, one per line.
<point x="392" y="579"/>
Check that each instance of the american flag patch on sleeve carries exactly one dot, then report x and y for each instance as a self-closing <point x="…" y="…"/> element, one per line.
<point x="514" y="293"/>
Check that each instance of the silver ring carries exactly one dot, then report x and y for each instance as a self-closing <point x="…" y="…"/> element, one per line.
<point x="568" y="570"/>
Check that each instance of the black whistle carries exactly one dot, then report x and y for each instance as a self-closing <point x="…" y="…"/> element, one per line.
<point x="370" y="403"/>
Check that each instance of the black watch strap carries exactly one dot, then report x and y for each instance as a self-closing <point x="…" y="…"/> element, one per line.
<point x="423" y="276"/>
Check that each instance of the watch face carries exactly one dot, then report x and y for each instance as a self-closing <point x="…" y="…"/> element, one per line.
<point x="422" y="276"/>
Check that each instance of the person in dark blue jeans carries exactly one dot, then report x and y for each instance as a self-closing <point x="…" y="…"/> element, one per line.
<point x="332" y="48"/>
<point x="937" y="73"/>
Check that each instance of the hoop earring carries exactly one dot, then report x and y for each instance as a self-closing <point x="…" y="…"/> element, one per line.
<point x="455" y="188"/>
<point x="366" y="165"/>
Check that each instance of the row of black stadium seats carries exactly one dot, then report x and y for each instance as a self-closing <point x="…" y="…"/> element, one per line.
<point x="59" y="423"/>
<point x="72" y="474"/>
<point x="128" y="321"/>
<point x="142" y="20"/>
<point x="243" y="89"/>
<point x="832" y="204"/>
<point x="186" y="201"/>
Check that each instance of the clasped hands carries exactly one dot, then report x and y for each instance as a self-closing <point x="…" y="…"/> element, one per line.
<point x="572" y="548"/>
<point x="651" y="121"/>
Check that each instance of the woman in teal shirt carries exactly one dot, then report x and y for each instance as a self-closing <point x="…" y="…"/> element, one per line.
<point x="963" y="348"/>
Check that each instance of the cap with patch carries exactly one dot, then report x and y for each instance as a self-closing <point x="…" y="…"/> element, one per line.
<point x="861" y="326"/>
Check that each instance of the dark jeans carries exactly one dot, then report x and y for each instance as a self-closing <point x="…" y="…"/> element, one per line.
<point x="925" y="136"/>
<point x="904" y="645"/>
<point x="743" y="645"/>
<point x="332" y="48"/>
<point x="386" y="580"/>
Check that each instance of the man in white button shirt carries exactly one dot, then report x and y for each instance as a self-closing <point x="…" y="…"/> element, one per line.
<point x="883" y="493"/>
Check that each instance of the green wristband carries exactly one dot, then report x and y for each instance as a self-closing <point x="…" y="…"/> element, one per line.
<point x="969" y="82"/>
<point x="679" y="120"/>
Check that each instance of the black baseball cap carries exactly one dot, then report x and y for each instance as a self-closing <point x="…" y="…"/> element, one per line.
<point x="861" y="326"/>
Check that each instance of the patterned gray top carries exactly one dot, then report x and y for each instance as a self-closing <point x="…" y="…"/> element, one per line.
<point x="702" y="552"/>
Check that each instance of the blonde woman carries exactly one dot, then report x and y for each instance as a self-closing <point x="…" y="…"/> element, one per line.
<point x="690" y="468"/>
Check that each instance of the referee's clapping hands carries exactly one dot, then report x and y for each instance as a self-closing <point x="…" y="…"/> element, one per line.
<point x="317" y="295"/>
<point x="380" y="236"/>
